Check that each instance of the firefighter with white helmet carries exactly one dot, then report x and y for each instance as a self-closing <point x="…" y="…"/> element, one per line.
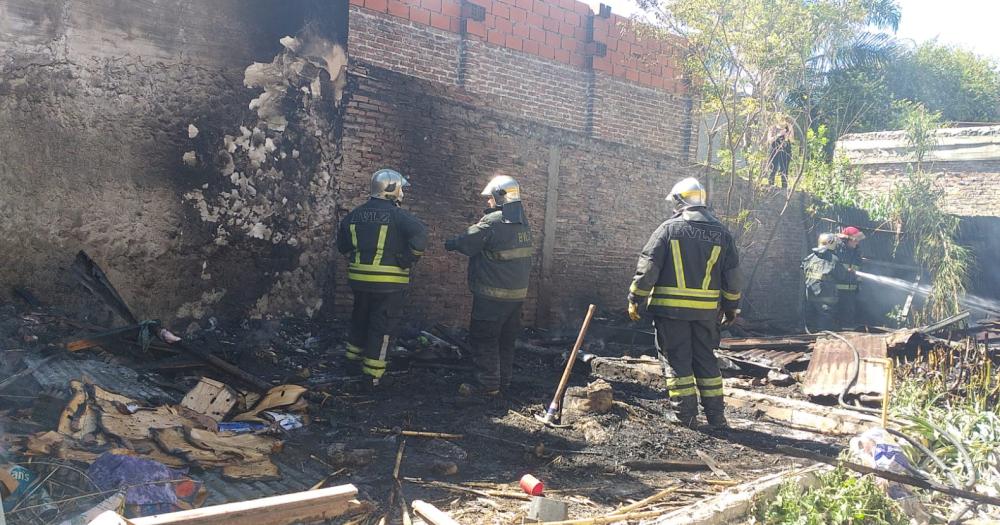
<point x="823" y="272"/>
<point x="688" y="277"/>
<point x="381" y="242"/>
<point x="500" y="251"/>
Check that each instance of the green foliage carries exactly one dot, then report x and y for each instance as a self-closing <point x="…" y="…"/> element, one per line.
<point x="841" y="498"/>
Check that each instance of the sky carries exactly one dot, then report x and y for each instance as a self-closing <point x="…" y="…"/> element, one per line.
<point x="971" y="24"/>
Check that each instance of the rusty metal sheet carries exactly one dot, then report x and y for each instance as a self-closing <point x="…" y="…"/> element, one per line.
<point x="769" y="343"/>
<point x="832" y="364"/>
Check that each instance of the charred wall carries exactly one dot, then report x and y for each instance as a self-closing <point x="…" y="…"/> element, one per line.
<point x="96" y="98"/>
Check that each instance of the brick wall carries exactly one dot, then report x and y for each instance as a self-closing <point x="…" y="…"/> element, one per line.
<point x="609" y="198"/>
<point x="971" y="188"/>
<point x="538" y="60"/>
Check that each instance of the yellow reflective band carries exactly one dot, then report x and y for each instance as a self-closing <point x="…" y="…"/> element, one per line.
<point x="692" y="193"/>
<point x="395" y="270"/>
<point x="682" y="392"/>
<point x="675" y="247"/>
<point x="513" y="253"/>
<point x="816" y="275"/>
<point x="501" y="293"/>
<point x="709" y="381"/>
<point x="353" y="352"/>
<point x="686" y="292"/>
<point x="417" y="252"/>
<point x="368" y="278"/>
<point x="380" y="247"/>
<point x="680" y="381"/>
<point x="847" y="287"/>
<point x="731" y="296"/>
<point x="712" y="259"/>
<point x="711" y="392"/>
<point x="637" y="291"/>
<point x="685" y="303"/>
<point x="373" y="367"/>
<point x="354" y="241"/>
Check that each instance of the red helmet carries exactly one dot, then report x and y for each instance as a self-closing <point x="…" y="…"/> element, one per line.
<point x="853" y="233"/>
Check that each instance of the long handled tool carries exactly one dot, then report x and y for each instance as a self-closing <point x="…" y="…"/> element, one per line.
<point x="552" y="415"/>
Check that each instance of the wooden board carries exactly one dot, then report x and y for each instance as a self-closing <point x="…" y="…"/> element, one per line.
<point x="279" y="396"/>
<point x="300" y="507"/>
<point x="802" y="414"/>
<point x="212" y="398"/>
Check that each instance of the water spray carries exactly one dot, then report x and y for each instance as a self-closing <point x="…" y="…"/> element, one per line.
<point x="972" y="302"/>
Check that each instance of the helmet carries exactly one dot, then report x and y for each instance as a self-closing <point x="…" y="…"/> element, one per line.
<point x="828" y="240"/>
<point x="688" y="192"/>
<point x="504" y="189"/>
<point x="852" y="233"/>
<point x="388" y="185"/>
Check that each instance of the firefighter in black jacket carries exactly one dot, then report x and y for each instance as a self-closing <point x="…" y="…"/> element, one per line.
<point x="381" y="242"/>
<point x="849" y="254"/>
<point x="688" y="275"/>
<point x="823" y="274"/>
<point x="499" y="250"/>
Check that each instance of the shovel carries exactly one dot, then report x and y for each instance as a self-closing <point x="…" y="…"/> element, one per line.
<point x="554" y="413"/>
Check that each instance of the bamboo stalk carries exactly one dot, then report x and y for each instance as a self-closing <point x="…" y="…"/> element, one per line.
<point x="644" y="502"/>
<point x="460" y="488"/>
<point x="415" y="433"/>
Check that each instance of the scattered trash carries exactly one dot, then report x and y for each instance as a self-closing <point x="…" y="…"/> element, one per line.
<point x="150" y="487"/>
<point x="531" y="485"/>
<point x="285" y="421"/>
<point x="22" y="485"/>
<point x="875" y="448"/>
<point x="542" y="509"/>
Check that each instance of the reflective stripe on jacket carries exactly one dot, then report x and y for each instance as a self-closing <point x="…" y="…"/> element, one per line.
<point x="500" y="254"/>
<point x="850" y="259"/>
<point x="689" y="268"/>
<point x="381" y="242"/>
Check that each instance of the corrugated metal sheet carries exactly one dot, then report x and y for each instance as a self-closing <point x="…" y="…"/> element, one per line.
<point x="57" y="374"/>
<point x="832" y="363"/>
<point x="777" y="359"/>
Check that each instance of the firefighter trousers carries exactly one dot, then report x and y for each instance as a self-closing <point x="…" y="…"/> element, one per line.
<point x="847" y="310"/>
<point x="821" y="316"/>
<point x="373" y="328"/>
<point x="687" y="352"/>
<point x="494" y="327"/>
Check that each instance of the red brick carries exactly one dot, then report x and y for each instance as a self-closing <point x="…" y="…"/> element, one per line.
<point x="475" y="28"/>
<point x="523" y="4"/>
<point x="583" y="9"/>
<point x="602" y="64"/>
<point x="455" y="25"/>
<point x="632" y="75"/>
<point x="451" y="8"/>
<point x="522" y="30"/>
<point x="618" y="69"/>
<point x="568" y="43"/>
<point x="377" y="5"/>
<point x="537" y="34"/>
<point x="530" y="46"/>
<point x="577" y="60"/>
<point x="550" y="24"/>
<point x="518" y="15"/>
<point x="515" y="43"/>
<point x="541" y="8"/>
<point x="546" y="52"/>
<point x="496" y="37"/>
<point x="568" y="4"/>
<point x="645" y="79"/>
<point x="441" y="21"/>
<point x="571" y="18"/>
<point x="501" y="9"/>
<point x="420" y="15"/>
<point x="359" y="3"/>
<point x="504" y="26"/>
<point x="553" y="40"/>
<point x="562" y="55"/>
<point x="580" y="33"/>
<point x="431" y="5"/>
<point x="535" y="20"/>
<point x="397" y="8"/>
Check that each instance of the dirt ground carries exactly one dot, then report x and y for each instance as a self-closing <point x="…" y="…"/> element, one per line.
<point x="499" y="444"/>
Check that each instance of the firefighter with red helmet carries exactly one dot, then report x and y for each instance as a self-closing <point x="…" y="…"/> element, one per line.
<point x="849" y="254"/>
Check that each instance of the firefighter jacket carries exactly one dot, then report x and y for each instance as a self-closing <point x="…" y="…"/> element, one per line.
<point x="823" y="271"/>
<point x="381" y="242"/>
<point x="850" y="259"/>
<point x="689" y="268"/>
<point x="499" y="251"/>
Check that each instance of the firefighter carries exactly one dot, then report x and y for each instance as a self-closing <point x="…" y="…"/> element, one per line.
<point x="499" y="248"/>
<point x="381" y="242"/>
<point x="688" y="275"/>
<point x="823" y="272"/>
<point x="849" y="254"/>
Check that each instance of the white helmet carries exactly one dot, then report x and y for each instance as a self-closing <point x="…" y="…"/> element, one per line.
<point x="388" y="185"/>
<point x="829" y="241"/>
<point x="688" y="193"/>
<point x="504" y="189"/>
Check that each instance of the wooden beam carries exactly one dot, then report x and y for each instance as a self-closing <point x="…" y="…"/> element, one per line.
<point x="803" y="414"/>
<point x="308" y="506"/>
<point x="432" y="514"/>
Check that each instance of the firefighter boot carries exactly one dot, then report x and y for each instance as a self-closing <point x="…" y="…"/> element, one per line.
<point x="715" y="412"/>
<point x="686" y="409"/>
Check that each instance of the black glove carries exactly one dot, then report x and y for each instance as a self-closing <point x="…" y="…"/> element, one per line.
<point x="450" y="245"/>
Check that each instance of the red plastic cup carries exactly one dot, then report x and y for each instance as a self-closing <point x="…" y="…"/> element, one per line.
<point x="531" y="485"/>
